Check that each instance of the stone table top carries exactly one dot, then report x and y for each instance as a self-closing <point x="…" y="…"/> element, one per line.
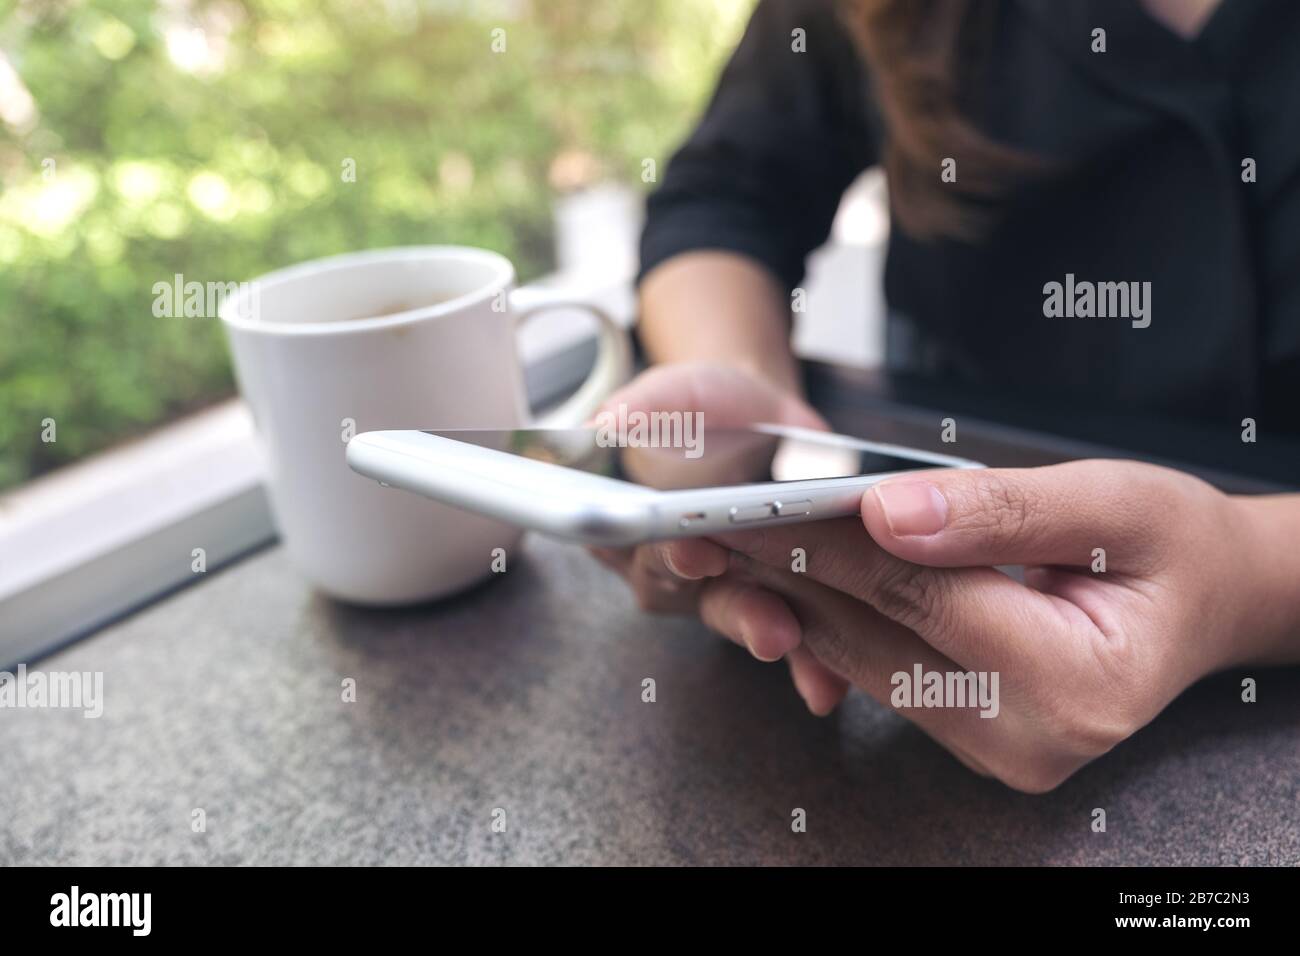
<point x="524" y="695"/>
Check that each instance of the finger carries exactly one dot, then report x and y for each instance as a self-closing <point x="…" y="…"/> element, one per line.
<point x="1060" y="514"/>
<point x="850" y="638"/>
<point x="871" y="651"/>
<point x="648" y="569"/>
<point x="670" y="565"/>
<point x="690" y="558"/>
<point x="727" y="395"/>
<point x="978" y="617"/>
<point x="656" y="588"/>
<point x="750" y="616"/>
<point x="820" y="687"/>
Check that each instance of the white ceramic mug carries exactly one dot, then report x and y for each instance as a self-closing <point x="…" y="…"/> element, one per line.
<point x="419" y="337"/>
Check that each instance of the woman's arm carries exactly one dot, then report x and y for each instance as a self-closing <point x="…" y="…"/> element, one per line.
<point x="749" y="195"/>
<point x="719" y="307"/>
<point x="753" y="191"/>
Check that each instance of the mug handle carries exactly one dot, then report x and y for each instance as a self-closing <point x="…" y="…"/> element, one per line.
<point x="612" y="367"/>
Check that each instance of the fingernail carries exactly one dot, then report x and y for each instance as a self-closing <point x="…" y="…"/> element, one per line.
<point x="668" y="562"/>
<point x="766" y="658"/>
<point x="806" y="695"/>
<point x="803" y="692"/>
<point x="774" y="653"/>
<point x="912" y="508"/>
<point x="743" y="633"/>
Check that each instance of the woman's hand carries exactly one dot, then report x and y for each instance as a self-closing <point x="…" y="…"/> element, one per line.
<point x="687" y="576"/>
<point x="1138" y="581"/>
<point x="1084" y="656"/>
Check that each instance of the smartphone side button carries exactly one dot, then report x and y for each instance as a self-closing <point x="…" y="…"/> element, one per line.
<point x="786" y="509"/>
<point x="750" y="513"/>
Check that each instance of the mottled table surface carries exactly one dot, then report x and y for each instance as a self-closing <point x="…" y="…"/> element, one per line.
<point x="525" y="696"/>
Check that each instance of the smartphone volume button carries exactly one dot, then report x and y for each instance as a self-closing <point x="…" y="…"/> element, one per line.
<point x="740" y="515"/>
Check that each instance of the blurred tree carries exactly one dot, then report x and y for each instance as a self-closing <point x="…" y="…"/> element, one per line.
<point x="220" y="139"/>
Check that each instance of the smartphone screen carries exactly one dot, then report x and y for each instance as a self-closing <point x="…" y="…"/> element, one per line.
<point x="714" y="458"/>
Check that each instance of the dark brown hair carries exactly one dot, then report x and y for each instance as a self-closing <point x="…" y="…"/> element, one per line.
<point x="921" y="55"/>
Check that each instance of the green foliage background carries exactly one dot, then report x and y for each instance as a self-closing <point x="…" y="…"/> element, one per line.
<point x="126" y="168"/>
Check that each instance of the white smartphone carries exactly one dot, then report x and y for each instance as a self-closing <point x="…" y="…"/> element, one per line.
<point x="566" y="482"/>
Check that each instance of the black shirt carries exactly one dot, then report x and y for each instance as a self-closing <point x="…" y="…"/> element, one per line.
<point x="1148" y="140"/>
